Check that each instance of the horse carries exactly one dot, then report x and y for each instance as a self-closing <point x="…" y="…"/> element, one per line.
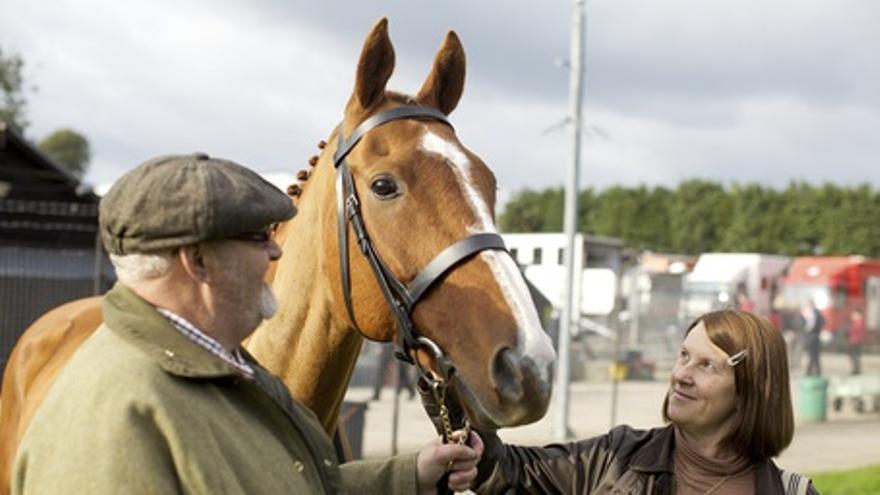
<point x="424" y="200"/>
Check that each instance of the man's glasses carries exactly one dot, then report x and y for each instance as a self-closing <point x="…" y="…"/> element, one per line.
<point x="257" y="236"/>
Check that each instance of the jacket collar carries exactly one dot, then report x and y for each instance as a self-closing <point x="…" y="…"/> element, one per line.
<point x="656" y="455"/>
<point x="135" y="320"/>
<point x="767" y="477"/>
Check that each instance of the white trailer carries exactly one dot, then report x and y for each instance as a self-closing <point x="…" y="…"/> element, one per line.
<point x="717" y="278"/>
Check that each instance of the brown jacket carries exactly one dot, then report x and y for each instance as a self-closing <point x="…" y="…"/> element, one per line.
<point x="625" y="461"/>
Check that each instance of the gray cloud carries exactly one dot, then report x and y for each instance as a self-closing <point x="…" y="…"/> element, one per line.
<point x="728" y="90"/>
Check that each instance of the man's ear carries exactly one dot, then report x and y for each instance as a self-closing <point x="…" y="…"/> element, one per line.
<point x="192" y="258"/>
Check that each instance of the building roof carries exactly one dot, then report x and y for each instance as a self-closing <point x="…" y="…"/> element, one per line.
<point x="41" y="203"/>
<point x="29" y="174"/>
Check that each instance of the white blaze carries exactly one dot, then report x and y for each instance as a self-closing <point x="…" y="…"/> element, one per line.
<point x="531" y="341"/>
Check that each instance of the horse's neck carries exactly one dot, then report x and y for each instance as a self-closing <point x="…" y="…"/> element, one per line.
<point x="313" y="356"/>
<point x="305" y="343"/>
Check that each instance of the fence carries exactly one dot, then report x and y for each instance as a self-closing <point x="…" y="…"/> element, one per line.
<point x="49" y="255"/>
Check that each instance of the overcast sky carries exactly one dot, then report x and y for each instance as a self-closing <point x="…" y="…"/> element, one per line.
<point x="768" y="91"/>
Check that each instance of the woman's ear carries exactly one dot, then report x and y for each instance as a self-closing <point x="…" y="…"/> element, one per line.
<point x="192" y="258"/>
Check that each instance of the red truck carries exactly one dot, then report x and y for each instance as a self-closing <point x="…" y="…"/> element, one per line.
<point x="838" y="285"/>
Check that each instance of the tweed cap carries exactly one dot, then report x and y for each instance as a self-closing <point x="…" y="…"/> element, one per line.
<point x="179" y="200"/>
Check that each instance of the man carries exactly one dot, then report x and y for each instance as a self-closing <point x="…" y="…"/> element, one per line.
<point x="162" y="398"/>
<point x="814" y="323"/>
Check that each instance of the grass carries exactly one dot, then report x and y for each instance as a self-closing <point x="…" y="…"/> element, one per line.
<point x="860" y="481"/>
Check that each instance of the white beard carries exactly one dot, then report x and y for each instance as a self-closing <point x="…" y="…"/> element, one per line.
<point x="268" y="302"/>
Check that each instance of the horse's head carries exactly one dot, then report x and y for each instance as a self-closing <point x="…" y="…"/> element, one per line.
<point x="421" y="191"/>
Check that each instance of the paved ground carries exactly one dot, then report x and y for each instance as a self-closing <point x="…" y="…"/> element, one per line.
<point x="846" y="440"/>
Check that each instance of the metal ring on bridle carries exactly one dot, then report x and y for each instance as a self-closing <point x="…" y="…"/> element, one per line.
<point x="444" y="365"/>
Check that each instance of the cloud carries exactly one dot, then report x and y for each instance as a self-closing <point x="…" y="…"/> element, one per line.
<point x="726" y="90"/>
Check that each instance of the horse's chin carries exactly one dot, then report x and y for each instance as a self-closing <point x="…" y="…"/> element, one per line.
<point x="483" y="419"/>
<point x="477" y="416"/>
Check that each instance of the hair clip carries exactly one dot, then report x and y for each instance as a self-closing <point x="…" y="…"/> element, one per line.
<point x="737" y="358"/>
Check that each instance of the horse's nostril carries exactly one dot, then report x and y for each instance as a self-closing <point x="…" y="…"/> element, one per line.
<point x="507" y="376"/>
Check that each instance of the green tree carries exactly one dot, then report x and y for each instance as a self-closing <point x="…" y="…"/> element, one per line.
<point x="588" y="207"/>
<point x="702" y="216"/>
<point x="659" y="216"/>
<point x="849" y="220"/>
<point x="533" y="211"/>
<point x="640" y="216"/>
<point x="542" y="211"/>
<point x="698" y="215"/>
<point x="616" y="213"/>
<point x="756" y="220"/>
<point x="69" y="148"/>
<point x="832" y="224"/>
<point x="12" y="97"/>
<point x="801" y="220"/>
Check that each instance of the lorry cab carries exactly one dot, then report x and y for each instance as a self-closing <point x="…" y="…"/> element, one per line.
<point x="837" y="285"/>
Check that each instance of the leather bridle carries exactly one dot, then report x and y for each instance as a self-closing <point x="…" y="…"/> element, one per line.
<point x="401" y="298"/>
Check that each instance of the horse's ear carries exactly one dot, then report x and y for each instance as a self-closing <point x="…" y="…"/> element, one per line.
<point x="374" y="68"/>
<point x="445" y="83"/>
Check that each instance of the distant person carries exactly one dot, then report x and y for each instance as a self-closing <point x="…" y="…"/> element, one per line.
<point x="814" y="322"/>
<point x="857" y="336"/>
<point x="793" y="330"/>
<point x="387" y="364"/>
<point x="743" y="303"/>
<point x="775" y="318"/>
<point x="728" y="412"/>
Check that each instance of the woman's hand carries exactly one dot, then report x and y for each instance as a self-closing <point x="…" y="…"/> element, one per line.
<point x="438" y="458"/>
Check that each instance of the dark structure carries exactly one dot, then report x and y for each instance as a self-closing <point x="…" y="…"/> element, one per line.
<point x="48" y="231"/>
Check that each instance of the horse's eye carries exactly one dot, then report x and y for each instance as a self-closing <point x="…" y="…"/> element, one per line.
<point x="384" y="187"/>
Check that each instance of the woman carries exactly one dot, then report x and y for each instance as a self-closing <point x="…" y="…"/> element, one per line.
<point x="857" y="336"/>
<point x="728" y="411"/>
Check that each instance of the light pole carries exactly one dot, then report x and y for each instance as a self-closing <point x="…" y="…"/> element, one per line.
<point x="570" y="307"/>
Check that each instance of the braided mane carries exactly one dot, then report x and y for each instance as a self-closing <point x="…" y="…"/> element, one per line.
<point x="302" y="176"/>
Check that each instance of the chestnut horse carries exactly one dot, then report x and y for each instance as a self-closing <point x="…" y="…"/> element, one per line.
<point x="420" y="192"/>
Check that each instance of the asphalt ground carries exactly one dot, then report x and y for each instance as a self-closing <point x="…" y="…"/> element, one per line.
<point x="846" y="439"/>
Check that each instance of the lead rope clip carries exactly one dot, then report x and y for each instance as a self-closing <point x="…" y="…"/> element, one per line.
<point x="438" y="390"/>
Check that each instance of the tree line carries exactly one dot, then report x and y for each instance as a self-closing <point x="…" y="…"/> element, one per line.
<point x="67" y="147"/>
<point x="703" y="216"/>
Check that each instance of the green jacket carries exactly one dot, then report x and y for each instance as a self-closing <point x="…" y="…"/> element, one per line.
<point x="142" y="409"/>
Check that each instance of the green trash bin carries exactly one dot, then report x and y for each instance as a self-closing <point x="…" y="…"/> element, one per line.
<point x="814" y="397"/>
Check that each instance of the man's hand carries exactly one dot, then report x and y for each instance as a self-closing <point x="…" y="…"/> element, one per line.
<point x="436" y="458"/>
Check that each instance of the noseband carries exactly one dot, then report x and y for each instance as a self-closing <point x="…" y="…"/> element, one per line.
<point x="400" y="297"/>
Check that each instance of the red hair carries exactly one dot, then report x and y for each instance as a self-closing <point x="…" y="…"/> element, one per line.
<point x="765" y="420"/>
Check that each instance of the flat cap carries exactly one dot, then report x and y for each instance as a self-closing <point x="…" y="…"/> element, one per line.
<point x="179" y="200"/>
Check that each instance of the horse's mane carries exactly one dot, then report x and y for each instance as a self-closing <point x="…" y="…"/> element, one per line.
<point x="302" y="176"/>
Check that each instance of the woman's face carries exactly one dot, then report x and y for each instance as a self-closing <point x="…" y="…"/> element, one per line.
<point x="702" y="391"/>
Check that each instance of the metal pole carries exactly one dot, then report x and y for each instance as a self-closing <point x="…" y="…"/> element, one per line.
<point x="570" y="308"/>
<point x="99" y="265"/>
<point x="635" y="301"/>
<point x="614" y="376"/>
<point x="395" y="412"/>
